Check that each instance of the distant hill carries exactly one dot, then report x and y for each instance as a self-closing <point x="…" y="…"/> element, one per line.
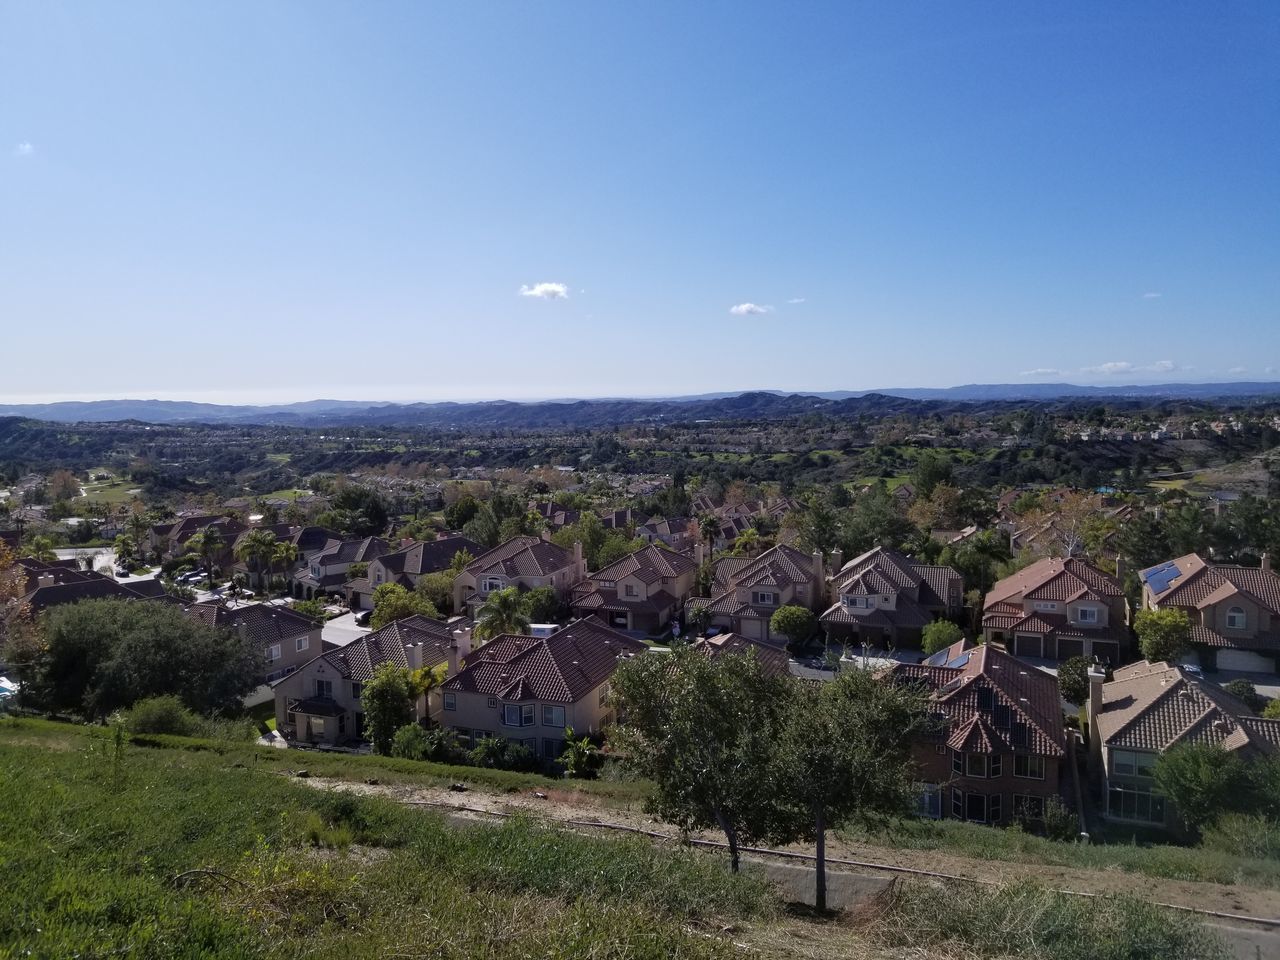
<point x="758" y="404"/>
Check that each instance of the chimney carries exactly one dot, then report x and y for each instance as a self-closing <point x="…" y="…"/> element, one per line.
<point x="819" y="570"/>
<point x="1266" y="561"/>
<point x="699" y="553"/>
<point x="45" y="580"/>
<point x="579" y="564"/>
<point x="1121" y="569"/>
<point x="837" y="560"/>
<point x="546" y="534"/>
<point x="1097" y="677"/>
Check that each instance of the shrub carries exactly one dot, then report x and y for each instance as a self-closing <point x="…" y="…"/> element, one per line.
<point x="499" y="753"/>
<point x="1059" y="822"/>
<point x="1244" y="835"/>
<point x="1163" y="634"/>
<point x="1247" y="692"/>
<point x="582" y="759"/>
<point x="793" y="622"/>
<point x="163" y="715"/>
<point x="1073" y="680"/>
<point x="410" y="742"/>
<point x="1272" y="710"/>
<point x="939" y="635"/>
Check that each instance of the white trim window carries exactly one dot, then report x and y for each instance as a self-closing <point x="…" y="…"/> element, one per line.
<point x="517" y="714"/>
<point x="301" y="643"/>
<point x="552" y="716"/>
<point x="764" y="598"/>
<point x="1087" y="614"/>
<point x="1135" y="803"/>
<point x="450" y="701"/>
<point x="1028" y="767"/>
<point x="491" y="584"/>
<point x="1236" y="619"/>
<point x="324" y="689"/>
<point x="930" y="804"/>
<point x="1047" y="606"/>
<point x="273" y="653"/>
<point x="1133" y="763"/>
<point x="975" y="765"/>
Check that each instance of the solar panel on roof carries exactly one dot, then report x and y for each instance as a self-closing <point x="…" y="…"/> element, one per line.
<point x="1160" y="577"/>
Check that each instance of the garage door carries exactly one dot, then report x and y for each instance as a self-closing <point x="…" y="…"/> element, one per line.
<point x="1245" y="660"/>
<point x="1025" y="645"/>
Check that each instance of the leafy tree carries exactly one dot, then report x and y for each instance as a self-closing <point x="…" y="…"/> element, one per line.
<point x="1272" y="710"/>
<point x="939" y="635"/>
<point x="437" y="588"/>
<point x="503" y="611"/>
<point x="393" y="602"/>
<point x="63" y="485"/>
<point x="582" y="759"/>
<point x="793" y="622"/>
<point x="387" y="699"/>
<point x="358" y="570"/>
<point x="414" y="742"/>
<point x="357" y="512"/>
<point x="931" y="470"/>
<point x="283" y="556"/>
<point x="208" y="545"/>
<point x="819" y="528"/>
<point x="256" y="550"/>
<point x="588" y="531"/>
<point x="483" y="528"/>
<point x="104" y="655"/>
<point x="1073" y="680"/>
<point x="615" y="547"/>
<point x="542" y="605"/>
<point x="1203" y="781"/>
<point x="703" y="730"/>
<point x="843" y="753"/>
<point x="41" y="548"/>
<point x="1163" y="634"/>
<point x="747" y="543"/>
<point x="458" y="513"/>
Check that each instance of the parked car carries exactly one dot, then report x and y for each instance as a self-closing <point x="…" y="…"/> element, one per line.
<point x="362" y="619"/>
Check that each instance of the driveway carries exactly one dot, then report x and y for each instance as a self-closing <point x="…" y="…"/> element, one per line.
<point x="1267" y="684"/>
<point x="342" y="630"/>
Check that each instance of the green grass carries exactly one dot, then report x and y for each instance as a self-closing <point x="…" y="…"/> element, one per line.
<point x="1118" y="850"/>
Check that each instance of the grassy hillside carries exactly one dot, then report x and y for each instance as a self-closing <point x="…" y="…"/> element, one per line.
<point x="112" y="848"/>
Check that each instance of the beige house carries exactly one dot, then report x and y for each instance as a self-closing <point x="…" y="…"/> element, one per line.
<point x="774" y="659"/>
<point x="1059" y="608"/>
<point x="287" y="639"/>
<point x="884" y="599"/>
<point x="529" y="689"/>
<point x="522" y="562"/>
<point x="747" y="592"/>
<point x="1234" y="610"/>
<point x="407" y="566"/>
<point x="642" y="591"/>
<point x="319" y="703"/>
<point x="1146" y="709"/>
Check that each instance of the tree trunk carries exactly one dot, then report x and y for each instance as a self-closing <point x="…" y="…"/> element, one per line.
<point x="820" y="859"/>
<point x="731" y="835"/>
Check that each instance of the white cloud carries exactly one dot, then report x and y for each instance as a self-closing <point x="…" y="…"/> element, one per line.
<point x="796" y="300"/>
<point x="1041" y="372"/>
<point x="1110" y="368"/>
<point x="24" y="149"/>
<point x="1238" y="370"/>
<point x="749" y="309"/>
<point x="1151" y="296"/>
<point x="546" y="291"/>
<point x="1163" y="366"/>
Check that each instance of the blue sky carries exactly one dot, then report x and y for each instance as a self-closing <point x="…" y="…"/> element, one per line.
<point x="278" y="201"/>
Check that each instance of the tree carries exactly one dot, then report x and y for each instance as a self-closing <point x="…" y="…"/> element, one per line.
<point x="1073" y="680"/>
<point x="843" y="753"/>
<point x="1203" y="781"/>
<point x="126" y="550"/>
<point x="793" y="622"/>
<point x="387" y="699"/>
<point x="747" y="543"/>
<point x="21" y="645"/>
<point x="582" y="759"/>
<point x="931" y="469"/>
<point x="542" y="605"/>
<point x="1247" y="692"/>
<point x="503" y="611"/>
<point x="256" y="550"/>
<point x="1272" y="710"/>
<point x="1163" y="634"/>
<point x="103" y="655"/>
<point x="313" y="610"/>
<point x="283" y="556"/>
<point x="703" y="730"/>
<point x="393" y="602"/>
<point x="63" y="485"/>
<point x="207" y="545"/>
<point x="939" y="635"/>
<point x="458" y="513"/>
<point x="42" y="549"/>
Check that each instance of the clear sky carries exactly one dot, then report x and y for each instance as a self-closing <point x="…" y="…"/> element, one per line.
<point x="248" y="201"/>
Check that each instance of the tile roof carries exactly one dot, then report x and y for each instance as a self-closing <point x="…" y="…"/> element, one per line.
<point x="881" y="571"/>
<point x="650" y="563"/>
<point x="522" y="557"/>
<point x="775" y="660"/>
<point x="359" y="659"/>
<point x="428" y="556"/>
<point x="1155" y="706"/>
<point x="975" y="696"/>
<point x="1054" y="578"/>
<point x="561" y="668"/>
<point x="264" y="624"/>
<point x="1196" y="583"/>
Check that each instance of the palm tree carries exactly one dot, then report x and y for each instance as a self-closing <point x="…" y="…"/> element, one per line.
<point x="126" y="550"/>
<point x="256" y="550"/>
<point x="208" y="544"/>
<point x="503" y="612"/>
<point x="41" y="548"/>
<point x="283" y="555"/>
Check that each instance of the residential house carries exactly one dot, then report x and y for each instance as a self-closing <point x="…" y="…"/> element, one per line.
<point x="1234" y="610"/>
<point x="678" y="533"/>
<point x="747" y="592"/>
<point x="319" y="703"/>
<point x="554" y="515"/>
<point x="997" y="746"/>
<point x="626" y="520"/>
<point x="326" y="572"/>
<point x="407" y="566"/>
<point x="642" y="591"/>
<point x="774" y="659"/>
<point x="1144" y="710"/>
<point x="884" y="599"/>
<point x="522" y="562"/>
<point x="1057" y="608"/>
<point x="287" y="639"/>
<point x="530" y="689"/>
<point x="170" y="540"/>
<point x="62" y="581"/>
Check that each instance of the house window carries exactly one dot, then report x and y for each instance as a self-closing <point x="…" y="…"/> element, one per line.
<point x="1045" y="605"/>
<point x="957" y="804"/>
<point x="1130" y="763"/>
<point x="324" y="689"/>
<point x="552" y="749"/>
<point x="552" y="716"/>
<point x="995" y="765"/>
<point x="1128" y="803"/>
<point x="517" y="714"/>
<point x="291" y="718"/>
<point x="342" y="723"/>
<point x="1236" y="620"/>
<point x="492" y="583"/>
<point x="858" y="603"/>
<point x="764" y="599"/>
<point x="975" y="765"/>
<point x="957" y="763"/>
<point x="317" y="726"/>
<point x="493" y="701"/>
<point x="1027" y="767"/>
<point x="1087" y="614"/>
<point x="451" y="701"/>
<point x="994" y="805"/>
<point x="930" y="801"/>
<point x="273" y="653"/>
<point x="631" y="589"/>
<point x="940" y="748"/>
<point x="975" y="807"/>
<point x="302" y="643"/>
<point x="356" y="690"/>
<point x="1027" y="807"/>
<point x="604" y="694"/>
